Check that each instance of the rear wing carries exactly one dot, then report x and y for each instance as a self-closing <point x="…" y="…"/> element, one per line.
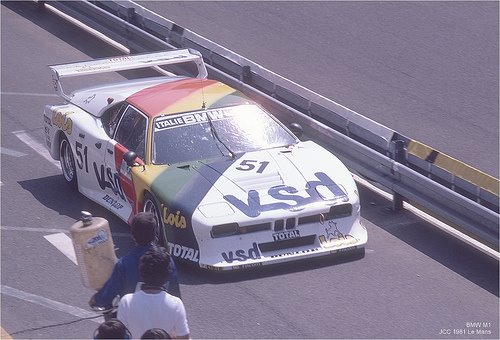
<point x="127" y="62"/>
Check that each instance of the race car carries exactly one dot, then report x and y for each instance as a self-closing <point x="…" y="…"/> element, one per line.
<point x="231" y="187"/>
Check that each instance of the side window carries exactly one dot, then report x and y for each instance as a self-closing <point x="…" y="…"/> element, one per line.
<point x="131" y="132"/>
<point x="111" y="117"/>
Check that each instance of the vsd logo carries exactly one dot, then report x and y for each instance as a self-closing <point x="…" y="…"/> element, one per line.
<point x="242" y="255"/>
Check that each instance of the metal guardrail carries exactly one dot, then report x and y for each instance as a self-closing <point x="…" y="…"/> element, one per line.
<point x="365" y="146"/>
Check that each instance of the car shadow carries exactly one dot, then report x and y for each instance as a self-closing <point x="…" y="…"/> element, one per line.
<point x="194" y="275"/>
<point x="70" y="203"/>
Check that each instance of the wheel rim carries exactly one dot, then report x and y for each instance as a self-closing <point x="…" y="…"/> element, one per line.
<point x="150" y="206"/>
<point x="67" y="161"/>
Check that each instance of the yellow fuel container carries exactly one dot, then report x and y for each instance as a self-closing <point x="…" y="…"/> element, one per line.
<point x="94" y="250"/>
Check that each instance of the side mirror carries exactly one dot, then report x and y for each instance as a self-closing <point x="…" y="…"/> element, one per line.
<point x="296" y="129"/>
<point x="129" y="158"/>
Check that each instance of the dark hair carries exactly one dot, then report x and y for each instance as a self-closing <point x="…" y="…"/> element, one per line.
<point x="156" y="333"/>
<point x="154" y="267"/>
<point x="112" y="329"/>
<point x="143" y="228"/>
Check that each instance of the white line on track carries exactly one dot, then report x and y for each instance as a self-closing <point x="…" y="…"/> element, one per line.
<point x="29" y="94"/>
<point x="38" y="230"/>
<point x="10" y="152"/>
<point x="32" y="143"/>
<point x="88" y="29"/>
<point x="49" y="230"/>
<point x="64" y="244"/>
<point x="55" y="305"/>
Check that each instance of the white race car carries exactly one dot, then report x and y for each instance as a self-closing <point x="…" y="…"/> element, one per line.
<point x="230" y="185"/>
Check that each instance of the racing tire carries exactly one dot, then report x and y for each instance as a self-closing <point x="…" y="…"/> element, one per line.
<point x="150" y="205"/>
<point x="68" y="165"/>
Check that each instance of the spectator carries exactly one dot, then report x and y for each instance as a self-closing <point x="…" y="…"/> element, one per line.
<point x="112" y="329"/>
<point x="125" y="276"/>
<point x="152" y="306"/>
<point x="156" y="333"/>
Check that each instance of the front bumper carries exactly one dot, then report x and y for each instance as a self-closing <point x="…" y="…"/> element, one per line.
<point x="267" y="248"/>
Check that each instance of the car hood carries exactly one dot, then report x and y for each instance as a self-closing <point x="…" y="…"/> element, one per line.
<point x="287" y="176"/>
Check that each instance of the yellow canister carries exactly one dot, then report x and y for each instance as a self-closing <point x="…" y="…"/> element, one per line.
<point x="94" y="250"/>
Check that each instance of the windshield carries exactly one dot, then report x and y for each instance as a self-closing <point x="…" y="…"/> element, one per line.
<point x="212" y="133"/>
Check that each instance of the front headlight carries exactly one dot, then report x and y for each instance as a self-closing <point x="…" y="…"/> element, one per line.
<point x="223" y="230"/>
<point x="340" y="210"/>
<point x="331" y="193"/>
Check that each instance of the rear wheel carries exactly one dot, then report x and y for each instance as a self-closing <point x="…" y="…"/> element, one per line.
<point x="67" y="162"/>
<point x="150" y="205"/>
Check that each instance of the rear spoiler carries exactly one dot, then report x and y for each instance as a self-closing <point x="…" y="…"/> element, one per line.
<point x="126" y="62"/>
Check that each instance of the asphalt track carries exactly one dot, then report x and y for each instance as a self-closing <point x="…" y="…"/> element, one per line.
<point x="427" y="69"/>
<point x="414" y="281"/>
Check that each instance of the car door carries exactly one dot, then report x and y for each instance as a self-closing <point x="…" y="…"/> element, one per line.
<point x="89" y="151"/>
<point x="130" y="135"/>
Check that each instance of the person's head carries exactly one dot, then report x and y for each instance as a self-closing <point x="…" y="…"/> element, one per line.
<point x="112" y="329"/>
<point x="154" y="266"/>
<point x="156" y="333"/>
<point x="143" y="228"/>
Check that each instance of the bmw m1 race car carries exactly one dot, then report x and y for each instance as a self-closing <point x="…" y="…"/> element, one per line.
<point x="230" y="185"/>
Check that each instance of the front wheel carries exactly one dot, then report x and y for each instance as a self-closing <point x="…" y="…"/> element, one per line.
<point x="67" y="162"/>
<point x="150" y="205"/>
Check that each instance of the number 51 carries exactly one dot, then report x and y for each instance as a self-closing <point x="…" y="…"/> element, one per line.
<point x="248" y="165"/>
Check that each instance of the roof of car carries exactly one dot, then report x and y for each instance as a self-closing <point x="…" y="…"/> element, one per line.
<point x="185" y="95"/>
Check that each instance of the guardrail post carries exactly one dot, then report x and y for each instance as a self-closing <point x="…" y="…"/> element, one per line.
<point x="130" y="14"/>
<point x="399" y="156"/>
<point x="246" y="74"/>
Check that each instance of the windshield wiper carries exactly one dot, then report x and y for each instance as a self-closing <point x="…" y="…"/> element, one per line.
<point x="216" y="136"/>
